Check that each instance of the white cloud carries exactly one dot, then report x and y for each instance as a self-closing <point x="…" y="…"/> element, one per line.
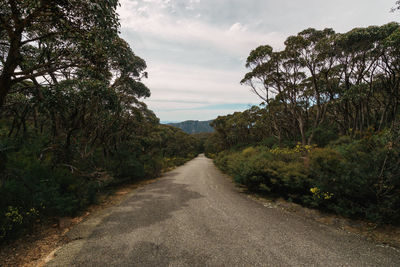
<point x="165" y="105"/>
<point x="171" y="82"/>
<point x="181" y="87"/>
<point x="236" y="39"/>
<point x="237" y="28"/>
<point x="195" y="50"/>
<point x="178" y="91"/>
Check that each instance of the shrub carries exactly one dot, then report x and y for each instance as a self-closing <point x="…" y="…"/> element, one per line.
<point x="268" y="142"/>
<point x="30" y="187"/>
<point x="362" y="178"/>
<point x="125" y="165"/>
<point x="323" y="135"/>
<point x="13" y="220"/>
<point x="271" y="170"/>
<point x="356" y="178"/>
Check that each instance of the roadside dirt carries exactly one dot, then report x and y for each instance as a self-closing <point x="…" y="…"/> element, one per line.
<point x="383" y="234"/>
<point x="35" y="249"/>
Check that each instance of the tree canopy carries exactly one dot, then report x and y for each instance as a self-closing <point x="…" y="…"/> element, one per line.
<point x="43" y="42"/>
<point x="349" y="80"/>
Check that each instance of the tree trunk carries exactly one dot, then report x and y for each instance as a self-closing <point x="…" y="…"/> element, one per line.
<point x="12" y="62"/>
<point x="302" y="132"/>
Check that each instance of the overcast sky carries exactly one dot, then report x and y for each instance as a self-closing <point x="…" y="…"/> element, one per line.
<point x="195" y="49"/>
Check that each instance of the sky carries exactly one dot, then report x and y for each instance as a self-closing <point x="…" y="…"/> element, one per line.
<point x="196" y="50"/>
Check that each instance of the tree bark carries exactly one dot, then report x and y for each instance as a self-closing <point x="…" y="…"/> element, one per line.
<point x="12" y="62"/>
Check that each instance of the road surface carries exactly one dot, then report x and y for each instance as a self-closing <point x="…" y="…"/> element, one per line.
<point x="194" y="216"/>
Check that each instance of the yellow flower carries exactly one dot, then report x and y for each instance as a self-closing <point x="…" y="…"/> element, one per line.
<point x="328" y="195"/>
<point x="314" y="190"/>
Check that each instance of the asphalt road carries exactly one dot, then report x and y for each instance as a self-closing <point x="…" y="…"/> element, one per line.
<point x="194" y="216"/>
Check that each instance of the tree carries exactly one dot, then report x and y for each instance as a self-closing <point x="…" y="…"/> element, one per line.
<point x="350" y="78"/>
<point x="397" y="7"/>
<point x="51" y="39"/>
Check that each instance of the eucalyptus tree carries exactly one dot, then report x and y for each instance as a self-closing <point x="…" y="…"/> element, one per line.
<point x="63" y="65"/>
<point x="260" y="62"/>
<point x="278" y="75"/>
<point x="314" y="53"/>
<point x="267" y="79"/>
<point x="397" y="7"/>
<point x="389" y="66"/>
<point x="41" y="40"/>
<point x="367" y="77"/>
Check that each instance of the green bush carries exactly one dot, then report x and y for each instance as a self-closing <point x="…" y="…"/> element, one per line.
<point x="362" y="176"/>
<point x="260" y="169"/>
<point x="323" y="135"/>
<point x="30" y="187"/>
<point x="125" y="165"/>
<point x="13" y="220"/>
<point x="356" y="178"/>
<point x="268" y="142"/>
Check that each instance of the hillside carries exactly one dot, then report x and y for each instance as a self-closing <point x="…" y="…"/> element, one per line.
<point x="194" y="126"/>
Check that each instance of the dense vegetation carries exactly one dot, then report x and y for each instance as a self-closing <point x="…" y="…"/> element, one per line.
<point x="327" y="134"/>
<point x="71" y="119"/>
<point x="193" y="127"/>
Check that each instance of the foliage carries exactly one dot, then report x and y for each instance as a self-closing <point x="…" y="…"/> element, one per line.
<point x="359" y="179"/>
<point x="397" y="7"/>
<point x="363" y="178"/>
<point x="276" y="171"/>
<point x="71" y="117"/>
<point x="34" y="178"/>
<point x="41" y="38"/>
<point x="13" y="220"/>
<point x="322" y="84"/>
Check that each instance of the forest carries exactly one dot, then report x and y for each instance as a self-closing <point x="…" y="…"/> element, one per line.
<point x="72" y="121"/>
<point x="327" y="133"/>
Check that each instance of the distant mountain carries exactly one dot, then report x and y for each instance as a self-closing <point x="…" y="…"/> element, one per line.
<point x="194" y="126"/>
<point x="168" y="122"/>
